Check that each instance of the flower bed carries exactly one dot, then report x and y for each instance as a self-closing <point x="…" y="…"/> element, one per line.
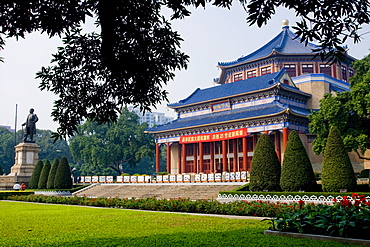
<point x="349" y="218"/>
<point x="257" y="208"/>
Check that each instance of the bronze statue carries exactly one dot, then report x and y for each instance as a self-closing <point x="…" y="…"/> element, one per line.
<point x="30" y="126"/>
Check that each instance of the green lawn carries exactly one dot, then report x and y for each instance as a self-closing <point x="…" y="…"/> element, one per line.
<point x="27" y="224"/>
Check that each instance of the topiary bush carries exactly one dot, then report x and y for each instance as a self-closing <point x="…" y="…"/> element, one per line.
<point x="296" y="172"/>
<point x="44" y="175"/>
<point x="266" y="169"/>
<point x="52" y="172"/>
<point x="364" y="173"/>
<point x="337" y="170"/>
<point x="34" y="180"/>
<point x="63" y="178"/>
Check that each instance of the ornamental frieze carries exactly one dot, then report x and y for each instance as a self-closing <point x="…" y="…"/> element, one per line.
<point x="242" y="124"/>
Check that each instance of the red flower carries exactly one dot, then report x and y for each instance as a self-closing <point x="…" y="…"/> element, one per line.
<point x="300" y="202"/>
<point x="335" y="200"/>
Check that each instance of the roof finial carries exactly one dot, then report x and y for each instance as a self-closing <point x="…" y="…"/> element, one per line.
<point x="285" y="23"/>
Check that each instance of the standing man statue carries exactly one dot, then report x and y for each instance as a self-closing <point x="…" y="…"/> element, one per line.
<point x="30" y="125"/>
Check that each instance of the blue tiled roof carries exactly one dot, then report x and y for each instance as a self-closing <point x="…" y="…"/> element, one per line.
<point x="230" y="89"/>
<point x="284" y="42"/>
<point x="228" y="116"/>
<point x="294" y="89"/>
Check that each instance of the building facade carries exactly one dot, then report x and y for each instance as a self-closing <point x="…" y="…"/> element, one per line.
<point x="152" y="118"/>
<point x="271" y="90"/>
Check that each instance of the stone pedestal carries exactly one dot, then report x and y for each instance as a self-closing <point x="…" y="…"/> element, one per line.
<point x="26" y="157"/>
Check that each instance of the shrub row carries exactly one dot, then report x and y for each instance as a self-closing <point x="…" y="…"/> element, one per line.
<point x="363" y="188"/>
<point x="257" y="208"/>
<point x="7" y="194"/>
<point x="47" y="176"/>
<point x="284" y="193"/>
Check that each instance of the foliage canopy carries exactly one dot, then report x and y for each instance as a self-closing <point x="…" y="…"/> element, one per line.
<point x="106" y="147"/>
<point x="6" y="150"/>
<point x="348" y="112"/>
<point x="136" y="51"/>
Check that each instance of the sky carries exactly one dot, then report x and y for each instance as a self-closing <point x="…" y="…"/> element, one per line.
<point x="210" y="36"/>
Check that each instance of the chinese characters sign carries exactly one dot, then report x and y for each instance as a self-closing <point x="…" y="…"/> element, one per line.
<point x="221" y="106"/>
<point x="218" y="136"/>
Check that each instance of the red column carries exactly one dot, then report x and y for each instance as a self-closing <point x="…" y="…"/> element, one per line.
<point x="168" y="157"/>
<point x="224" y="156"/>
<point x="157" y="157"/>
<point x="285" y="137"/>
<point x="200" y="157"/>
<point x="212" y="163"/>
<point x="183" y="162"/>
<point x="236" y="166"/>
<point x="195" y="150"/>
<point x="178" y="158"/>
<point x="255" y="139"/>
<point x="245" y="154"/>
<point x="277" y="145"/>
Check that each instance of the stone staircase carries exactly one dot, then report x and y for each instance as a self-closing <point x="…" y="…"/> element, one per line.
<point x="192" y="191"/>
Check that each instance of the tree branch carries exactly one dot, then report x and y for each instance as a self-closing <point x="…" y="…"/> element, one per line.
<point x="361" y="157"/>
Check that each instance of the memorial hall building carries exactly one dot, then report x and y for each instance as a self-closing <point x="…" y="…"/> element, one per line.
<point x="272" y="90"/>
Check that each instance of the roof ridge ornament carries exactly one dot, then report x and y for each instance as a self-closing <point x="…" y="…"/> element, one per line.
<point x="285" y="23"/>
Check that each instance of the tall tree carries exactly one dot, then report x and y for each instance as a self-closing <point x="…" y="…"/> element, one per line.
<point x="113" y="146"/>
<point x="6" y="149"/>
<point x="50" y="149"/>
<point x="266" y="169"/>
<point x="34" y="180"/>
<point x="337" y="170"/>
<point x="44" y="175"/>
<point x="136" y="51"/>
<point x="296" y="171"/>
<point x="348" y="112"/>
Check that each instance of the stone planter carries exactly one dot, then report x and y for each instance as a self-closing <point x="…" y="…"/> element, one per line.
<point x="318" y="237"/>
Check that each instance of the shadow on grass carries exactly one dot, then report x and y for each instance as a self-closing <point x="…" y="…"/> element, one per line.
<point x="246" y="237"/>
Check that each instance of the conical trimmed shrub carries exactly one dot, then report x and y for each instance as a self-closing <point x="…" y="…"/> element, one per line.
<point x="34" y="180"/>
<point x="52" y="172"/>
<point x="44" y="175"/>
<point x="63" y="178"/>
<point x="296" y="171"/>
<point x="337" y="170"/>
<point x="266" y="169"/>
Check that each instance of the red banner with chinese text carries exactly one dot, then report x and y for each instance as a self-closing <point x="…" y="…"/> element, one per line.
<point x="211" y="137"/>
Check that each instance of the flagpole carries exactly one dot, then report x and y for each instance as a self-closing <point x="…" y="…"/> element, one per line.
<point x="15" y="127"/>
